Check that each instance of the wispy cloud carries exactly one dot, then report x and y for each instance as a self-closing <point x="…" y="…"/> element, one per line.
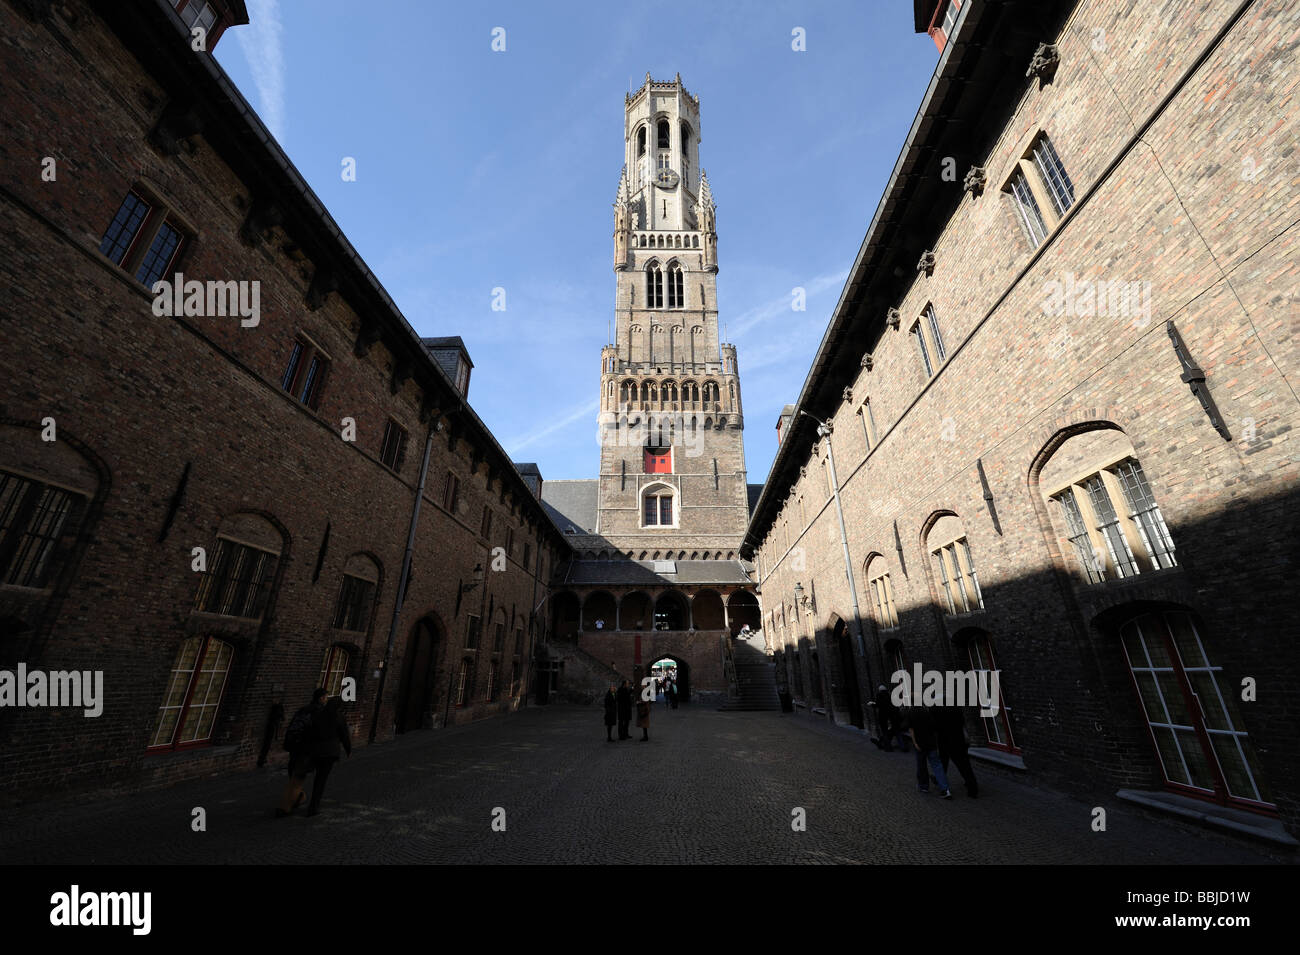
<point x="777" y="307"/>
<point x="586" y="410"/>
<point x="260" y="41"/>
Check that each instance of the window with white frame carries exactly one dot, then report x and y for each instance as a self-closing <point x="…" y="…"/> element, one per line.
<point x="868" y="420"/>
<point x="882" y="594"/>
<point x="657" y="508"/>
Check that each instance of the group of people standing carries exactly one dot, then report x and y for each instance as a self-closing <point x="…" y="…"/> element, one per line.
<point x="618" y="710"/>
<point x="937" y="735"/>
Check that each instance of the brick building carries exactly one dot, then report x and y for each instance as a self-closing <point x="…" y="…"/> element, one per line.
<point x="212" y="503"/>
<point x="1058" y="404"/>
<point x="658" y="533"/>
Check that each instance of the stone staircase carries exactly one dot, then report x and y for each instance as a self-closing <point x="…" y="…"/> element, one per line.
<point x="755" y="679"/>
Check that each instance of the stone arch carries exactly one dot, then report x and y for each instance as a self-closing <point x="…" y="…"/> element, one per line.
<point x="566" y="614"/>
<point x="672" y="611"/>
<point x="743" y="608"/>
<point x="636" y="611"/>
<point x="599" y="606"/>
<point x="707" y="611"/>
<point x="418" y="684"/>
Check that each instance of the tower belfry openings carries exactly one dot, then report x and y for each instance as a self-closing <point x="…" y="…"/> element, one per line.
<point x="671" y="418"/>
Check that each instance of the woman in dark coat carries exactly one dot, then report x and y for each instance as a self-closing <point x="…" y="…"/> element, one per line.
<point x="624" y="704"/>
<point x="329" y="739"/>
<point x="643" y="719"/>
<point x="611" y="713"/>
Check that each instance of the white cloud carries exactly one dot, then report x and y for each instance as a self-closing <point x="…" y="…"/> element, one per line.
<point x="260" y="41"/>
<point x="586" y="410"/>
<point x="781" y="306"/>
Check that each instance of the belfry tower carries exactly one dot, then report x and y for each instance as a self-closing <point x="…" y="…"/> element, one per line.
<point x="672" y="464"/>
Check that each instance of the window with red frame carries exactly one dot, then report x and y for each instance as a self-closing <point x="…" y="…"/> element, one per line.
<point x="304" y="375"/>
<point x="194" y="693"/>
<point x="997" y="728"/>
<point x="143" y="239"/>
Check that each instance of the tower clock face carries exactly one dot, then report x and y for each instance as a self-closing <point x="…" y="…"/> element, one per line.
<point x="666" y="179"/>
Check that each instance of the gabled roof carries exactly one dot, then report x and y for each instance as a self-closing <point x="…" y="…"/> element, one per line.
<point x="572" y="504"/>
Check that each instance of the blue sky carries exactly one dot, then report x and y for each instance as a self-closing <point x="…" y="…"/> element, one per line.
<point x="478" y="169"/>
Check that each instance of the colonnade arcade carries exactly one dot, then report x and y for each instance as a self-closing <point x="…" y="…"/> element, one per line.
<point x="597" y="609"/>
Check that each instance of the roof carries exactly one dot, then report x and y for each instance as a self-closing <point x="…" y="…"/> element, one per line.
<point x="964" y="109"/>
<point x="572" y="504"/>
<point x="447" y="342"/>
<point x="755" y="491"/>
<point x="643" y="572"/>
<point x="527" y="467"/>
<point x="207" y="102"/>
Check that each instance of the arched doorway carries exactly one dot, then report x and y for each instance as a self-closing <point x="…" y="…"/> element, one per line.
<point x="634" y="613"/>
<point x="416" y="690"/>
<point x="671" y="611"/>
<point x="742" y="608"/>
<point x="565" y="610"/>
<point x="680" y="671"/>
<point x="706" y="610"/>
<point x="598" y="612"/>
<point x="851" y="694"/>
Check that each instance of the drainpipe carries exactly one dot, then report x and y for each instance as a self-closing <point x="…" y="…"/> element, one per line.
<point x="401" y="581"/>
<point x="824" y="430"/>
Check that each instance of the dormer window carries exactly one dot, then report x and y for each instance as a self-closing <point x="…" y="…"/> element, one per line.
<point x="196" y="13"/>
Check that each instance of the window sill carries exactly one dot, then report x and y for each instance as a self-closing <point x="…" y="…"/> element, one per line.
<point x="997" y="756"/>
<point x="193" y="752"/>
<point x="1237" y="821"/>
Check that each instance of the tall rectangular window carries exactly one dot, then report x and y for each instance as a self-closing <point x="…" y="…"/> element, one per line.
<point x="394" y="447"/>
<point x="304" y="373"/>
<point x="472" y="632"/>
<point x="121" y="232"/>
<point x="32" y="518"/>
<point x="353" y="609"/>
<point x="161" y="254"/>
<point x="499" y="638"/>
<point x="932" y="320"/>
<point x="1108" y="525"/>
<point x="194" y="693"/>
<point x="1031" y="217"/>
<point x="485" y="525"/>
<point x="1145" y="514"/>
<point x="510" y="541"/>
<point x="450" y="493"/>
<point x="919" y="337"/>
<point x="1079" y="539"/>
<point x="1052" y="172"/>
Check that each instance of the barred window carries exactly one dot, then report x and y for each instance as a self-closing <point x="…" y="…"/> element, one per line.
<point x="1145" y="513"/>
<point x="1054" y="176"/>
<point x="33" y="516"/>
<point x="1079" y="538"/>
<point x="237" y="582"/>
<point x="1031" y="217"/>
<point x="472" y="632"/>
<point x="1108" y="524"/>
<point x="919" y="337"/>
<point x="932" y="319"/>
<point x="194" y="693"/>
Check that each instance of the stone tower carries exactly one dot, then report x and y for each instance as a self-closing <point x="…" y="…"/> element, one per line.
<point x="672" y="469"/>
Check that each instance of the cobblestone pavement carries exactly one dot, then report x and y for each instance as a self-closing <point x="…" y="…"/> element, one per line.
<point x="710" y="787"/>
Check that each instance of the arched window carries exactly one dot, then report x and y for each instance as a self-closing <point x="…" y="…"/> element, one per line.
<point x="664" y="136"/>
<point x="676" y="287"/>
<point x="194" y="693"/>
<point x="882" y="593"/>
<point x="657" y="506"/>
<point x="642" y="165"/>
<point x="954" y="566"/>
<point x="1109" y="516"/>
<point x="686" y="150"/>
<point x="241" y="569"/>
<point x="654" y="286"/>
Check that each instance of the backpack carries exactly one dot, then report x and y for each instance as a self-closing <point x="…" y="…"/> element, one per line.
<point x="295" y="736"/>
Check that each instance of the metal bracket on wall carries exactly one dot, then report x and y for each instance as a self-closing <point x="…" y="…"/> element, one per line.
<point x="1195" y="379"/>
<point x="988" y="496"/>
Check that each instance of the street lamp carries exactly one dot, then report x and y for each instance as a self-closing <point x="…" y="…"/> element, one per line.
<point x="824" y="430"/>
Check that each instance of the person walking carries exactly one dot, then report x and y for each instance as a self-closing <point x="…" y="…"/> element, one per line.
<point x="624" y="706"/>
<point x="329" y="737"/>
<point x="920" y="722"/>
<point x="889" y="718"/>
<point x="643" y="719"/>
<point x="297" y="740"/>
<point x="951" y="732"/>
<point x="611" y="713"/>
<point x="672" y="694"/>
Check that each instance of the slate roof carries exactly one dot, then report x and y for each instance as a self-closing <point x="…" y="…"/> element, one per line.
<point x="643" y="573"/>
<point x="755" y="491"/>
<point x="571" y="504"/>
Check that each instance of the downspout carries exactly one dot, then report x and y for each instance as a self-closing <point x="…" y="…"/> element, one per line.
<point x="401" y="581"/>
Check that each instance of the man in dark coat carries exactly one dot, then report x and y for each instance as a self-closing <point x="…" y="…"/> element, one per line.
<point x="888" y="715"/>
<point x="952" y="745"/>
<point x="300" y="761"/>
<point x="329" y="738"/>
<point x="920" y="722"/>
<point x="624" y="706"/>
<point x="611" y="713"/>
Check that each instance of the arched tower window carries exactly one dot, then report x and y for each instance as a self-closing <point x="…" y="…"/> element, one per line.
<point x="642" y="167"/>
<point x="686" y="151"/>
<point x="676" y="288"/>
<point x="657" y="506"/>
<point x="664" y="144"/>
<point x="654" y="286"/>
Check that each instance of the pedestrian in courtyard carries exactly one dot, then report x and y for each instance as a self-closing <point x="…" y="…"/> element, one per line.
<point x="624" y="706"/>
<point x="889" y="718"/>
<point x="920" y="722"/>
<point x="297" y="740"/>
<point x="672" y="694"/>
<point x="951" y="731"/>
<point x="611" y="713"/>
<point x="329" y="739"/>
<point x="643" y="719"/>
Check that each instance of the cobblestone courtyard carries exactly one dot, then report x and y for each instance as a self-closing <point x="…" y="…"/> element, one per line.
<point x="710" y="787"/>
